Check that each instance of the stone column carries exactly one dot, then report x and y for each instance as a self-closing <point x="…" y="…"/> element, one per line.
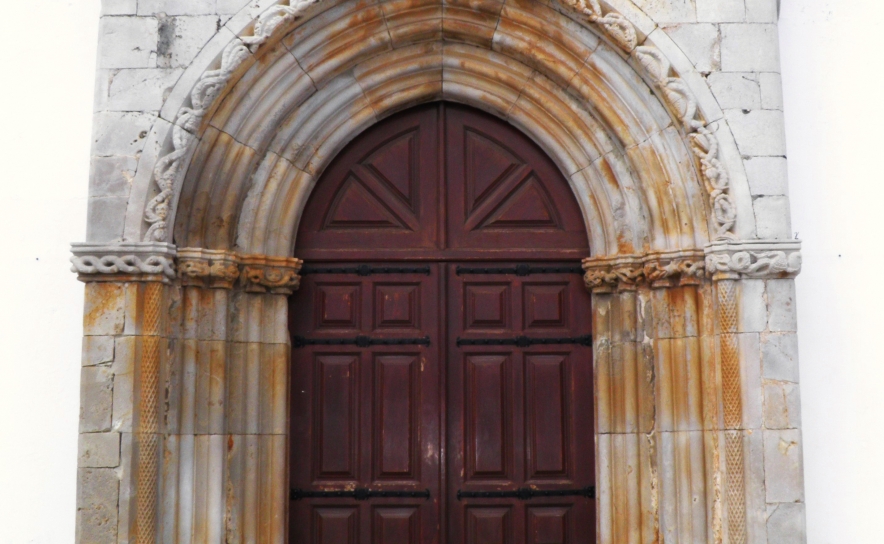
<point x="188" y="380"/>
<point x="695" y="399"/>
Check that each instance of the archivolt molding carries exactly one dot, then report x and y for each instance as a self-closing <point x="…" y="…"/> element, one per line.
<point x="675" y="92"/>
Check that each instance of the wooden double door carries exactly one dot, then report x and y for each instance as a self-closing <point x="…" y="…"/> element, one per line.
<point x="441" y="358"/>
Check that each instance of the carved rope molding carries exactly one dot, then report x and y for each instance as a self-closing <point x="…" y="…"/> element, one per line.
<point x="102" y="262"/>
<point x="619" y="29"/>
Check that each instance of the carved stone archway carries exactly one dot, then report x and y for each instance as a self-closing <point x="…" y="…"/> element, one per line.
<point x="190" y="302"/>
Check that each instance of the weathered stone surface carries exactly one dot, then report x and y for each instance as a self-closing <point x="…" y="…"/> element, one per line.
<point x="779" y="355"/>
<point x="782" y="406"/>
<point x="736" y="90"/>
<point x="669" y="11"/>
<point x="118" y="7"/>
<point x="112" y="176"/>
<point x="124" y="383"/>
<point x="97" y="497"/>
<point x="751" y="316"/>
<point x="772" y="217"/>
<point x="720" y="11"/>
<point x="768" y="176"/>
<point x="140" y="89"/>
<point x="759" y="133"/>
<point x="771" y="91"/>
<point x="781" y="306"/>
<point x="762" y="11"/>
<point x="786" y="523"/>
<point x="106" y="218"/>
<point x="783" y="460"/>
<point x="120" y="133"/>
<point x="176" y="7"/>
<point x="749" y="48"/>
<point x="103" y="315"/>
<point x="97" y="350"/>
<point x="99" y="450"/>
<point x="181" y="39"/>
<point x="128" y="42"/>
<point x="96" y="399"/>
<point x="700" y="42"/>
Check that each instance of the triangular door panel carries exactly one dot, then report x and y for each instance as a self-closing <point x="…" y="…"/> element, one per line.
<point x="487" y="165"/>
<point x="527" y="207"/>
<point x="394" y="165"/>
<point x="355" y="207"/>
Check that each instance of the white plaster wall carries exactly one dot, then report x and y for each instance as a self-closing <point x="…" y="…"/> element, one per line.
<point x="834" y="100"/>
<point x="48" y="58"/>
<point x="834" y="107"/>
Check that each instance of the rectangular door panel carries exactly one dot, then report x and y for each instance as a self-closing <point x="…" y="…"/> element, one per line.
<point x="548" y="525"/>
<point x="489" y="525"/>
<point x="396" y="399"/>
<point x="338" y="306"/>
<point x="395" y="525"/>
<point x="546" y="410"/>
<point x="397" y="307"/>
<point x="488" y="416"/>
<point x="335" y="525"/>
<point x="337" y="379"/>
<point x="521" y="413"/>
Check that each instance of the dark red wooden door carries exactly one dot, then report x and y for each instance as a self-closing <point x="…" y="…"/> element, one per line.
<point x="520" y="417"/>
<point x="365" y="417"/>
<point x="430" y="190"/>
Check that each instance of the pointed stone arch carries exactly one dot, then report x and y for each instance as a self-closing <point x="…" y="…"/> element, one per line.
<point x="208" y="253"/>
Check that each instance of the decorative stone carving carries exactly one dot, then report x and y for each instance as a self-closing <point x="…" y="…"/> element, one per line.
<point x="606" y="275"/>
<point x="616" y="26"/>
<point x="753" y="259"/>
<point x="209" y="87"/>
<point x="274" y="274"/>
<point x="619" y="29"/>
<point x="133" y="262"/>
<point x="210" y="268"/>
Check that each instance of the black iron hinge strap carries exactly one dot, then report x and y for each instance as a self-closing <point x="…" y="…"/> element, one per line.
<point x="521" y="270"/>
<point x="525" y="341"/>
<point x="360" y="494"/>
<point x="365" y="270"/>
<point x="526" y="493"/>
<point x="359" y="341"/>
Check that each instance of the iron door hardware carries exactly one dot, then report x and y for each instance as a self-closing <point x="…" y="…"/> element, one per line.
<point x="360" y="494"/>
<point x="365" y="270"/>
<point x="525" y="341"/>
<point x="527" y="493"/>
<point x="359" y="341"/>
<point x="520" y="270"/>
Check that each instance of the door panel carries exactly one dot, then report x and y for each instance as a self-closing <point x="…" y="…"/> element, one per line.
<point x="520" y="416"/>
<point x="366" y="417"/>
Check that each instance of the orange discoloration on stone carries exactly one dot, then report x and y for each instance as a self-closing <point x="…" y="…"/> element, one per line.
<point x="104" y="313"/>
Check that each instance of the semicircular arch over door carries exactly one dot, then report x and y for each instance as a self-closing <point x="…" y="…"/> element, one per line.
<point x="442" y="362"/>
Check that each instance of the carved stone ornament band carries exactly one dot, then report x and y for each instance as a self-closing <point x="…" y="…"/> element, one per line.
<point x="665" y="269"/>
<point x="112" y="262"/>
<point x="754" y="259"/>
<point x="195" y="266"/>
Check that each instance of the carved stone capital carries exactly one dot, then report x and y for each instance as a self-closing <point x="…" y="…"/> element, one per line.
<point x="208" y="268"/>
<point x="124" y="262"/>
<point x="657" y="270"/>
<point x="278" y="275"/>
<point x="759" y="259"/>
